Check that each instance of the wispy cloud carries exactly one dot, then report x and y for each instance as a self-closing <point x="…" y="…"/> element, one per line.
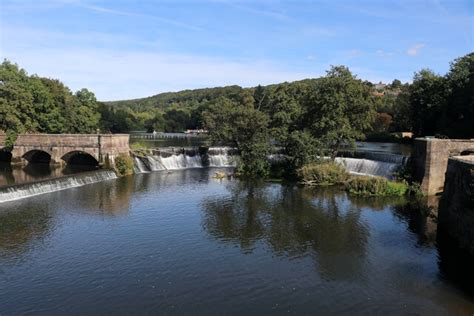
<point x="415" y="49"/>
<point x="105" y="10"/>
<point x="384" y="53"/>
<point x="354" y="53"/>
<point x="258" y="11"/>
<point x="317" y="31"/>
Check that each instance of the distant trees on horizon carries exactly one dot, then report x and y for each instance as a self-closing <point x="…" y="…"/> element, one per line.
<point x="431" y="105"/>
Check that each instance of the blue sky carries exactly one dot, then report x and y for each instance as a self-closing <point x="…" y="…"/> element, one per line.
<point x="127" y="49"/>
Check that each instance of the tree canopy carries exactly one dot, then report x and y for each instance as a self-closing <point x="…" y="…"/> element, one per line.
<point x="34" y="104"/>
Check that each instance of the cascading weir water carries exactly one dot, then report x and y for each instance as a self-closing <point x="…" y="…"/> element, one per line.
<point x="373" y="163"/>
<point x="170" y="159"/>
<point x="21" y="191"/>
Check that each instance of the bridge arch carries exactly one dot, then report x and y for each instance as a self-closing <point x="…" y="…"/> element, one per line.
<point x="5" y="155"/>
<point x="79" y="157"/>
<point x="37" y="156"/>
<point x="467" y="152"/>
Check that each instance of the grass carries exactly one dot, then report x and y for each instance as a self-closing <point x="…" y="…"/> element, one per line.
<point x="323" y="173"/>
<point x="376" y="186"/>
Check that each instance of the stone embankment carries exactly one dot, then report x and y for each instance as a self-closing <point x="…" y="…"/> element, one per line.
<point x="456" y="209"/>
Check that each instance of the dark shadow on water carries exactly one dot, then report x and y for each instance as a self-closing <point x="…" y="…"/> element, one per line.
<point x="421" y="216"/>
<point x="456" y="265"/>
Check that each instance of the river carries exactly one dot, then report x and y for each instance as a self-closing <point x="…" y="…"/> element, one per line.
<point x="182" y="242"/>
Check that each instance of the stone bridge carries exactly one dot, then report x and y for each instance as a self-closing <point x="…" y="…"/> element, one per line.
<point x="431" y="160"/>
<point x="99" y="149"/>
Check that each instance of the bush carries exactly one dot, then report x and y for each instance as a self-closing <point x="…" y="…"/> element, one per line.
<point x="323" y="173"/>
<point x="123" y="164"/>
<point x="375" y="186"/>
<point x="10" y="139"/>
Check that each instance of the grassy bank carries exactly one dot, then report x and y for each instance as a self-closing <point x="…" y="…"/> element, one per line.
<point x="329" y="173"/>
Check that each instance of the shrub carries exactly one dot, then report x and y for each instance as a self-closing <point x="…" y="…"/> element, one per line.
<point x="375" y="186"/>
<point x="323" y="173"/>
<point x="123" y="164"/>
<point x="10" y="139"/>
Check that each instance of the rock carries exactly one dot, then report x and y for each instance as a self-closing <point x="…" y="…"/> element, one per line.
<point x="219" y="175"/>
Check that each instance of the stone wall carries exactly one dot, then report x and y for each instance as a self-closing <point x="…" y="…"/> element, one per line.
<point x="430" y="160"/>
<point x="456" y="209"/>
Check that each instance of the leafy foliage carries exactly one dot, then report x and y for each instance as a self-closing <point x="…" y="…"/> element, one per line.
<point x="123" y="164"/>
<point x="339" y="109"/>
<point x="34" y="104"/>
<point x="375" y="186"/>
<point x="242" y="126"/>
<point x="323" y="173"/>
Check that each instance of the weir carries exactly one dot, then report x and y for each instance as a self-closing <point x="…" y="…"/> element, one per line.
<point x="16" y="192"/>
<point x="367" y="163"/>
<point x="185" y="158"/>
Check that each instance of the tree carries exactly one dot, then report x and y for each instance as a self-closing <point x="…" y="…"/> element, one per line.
<point x="84" y="117"/>
<point x="244" y="128"/>
<point x="402" y="118"/>
<point x="285" y="112"/>
<point x="176" y="120"/>
<point x="260" y="96"/>
<point x="382" y="122"/>
<point x="396" y="84"/>
<point x="459" y="113"/>
<point x="427" y="102"/>
<point x="34" y="104"/>
<point x="339" y="109"/>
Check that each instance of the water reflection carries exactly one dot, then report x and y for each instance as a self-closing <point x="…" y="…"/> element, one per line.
<point x="421" y="216"/>
<point x="25" y="224"/>
<point x="11" y="175"/>
<point x="22" y="231"/>
<point x="294" y="222"/>
<point x="183" y="242"/>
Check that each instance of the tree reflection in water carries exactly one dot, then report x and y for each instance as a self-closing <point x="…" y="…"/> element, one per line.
<point x="294" y="222"/>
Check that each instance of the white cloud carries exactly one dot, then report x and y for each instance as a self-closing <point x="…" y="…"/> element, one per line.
<point x="383" y="53"/>
<point x="415" y="49"/>
<point x="316" y="31"/>
<point x="354" y="53"/>
<point x="114" y="75"/>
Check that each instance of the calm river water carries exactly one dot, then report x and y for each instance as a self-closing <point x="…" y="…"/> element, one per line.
<point x="185" y="243"/>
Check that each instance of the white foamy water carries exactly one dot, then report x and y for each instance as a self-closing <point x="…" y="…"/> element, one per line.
<point x="216" y="157"/>
<point x="368" y="167"/>
<point x="53" y="185"/>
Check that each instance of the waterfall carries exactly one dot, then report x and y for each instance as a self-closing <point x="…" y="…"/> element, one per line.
<point x="369" y="167"/>
<point x="170" y="159"/>
<point x="139" y="166"/>
<point x="21" y="191"/>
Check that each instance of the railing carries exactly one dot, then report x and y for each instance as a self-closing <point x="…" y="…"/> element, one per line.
<point x="164" y="135"/>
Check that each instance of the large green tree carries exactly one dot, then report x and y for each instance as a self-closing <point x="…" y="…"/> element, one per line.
<point x="427" y="102"/>
<point x="459" y="113"/>
<point x="339" y="109"/>
<point x="241" y="126"/>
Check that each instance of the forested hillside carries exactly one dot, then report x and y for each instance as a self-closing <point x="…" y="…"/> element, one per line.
<point x="432" y="104"/>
